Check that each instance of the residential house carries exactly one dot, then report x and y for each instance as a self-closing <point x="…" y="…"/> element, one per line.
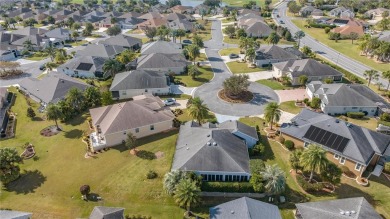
<point x="176" y="16"/>
<point x="137" y="82"/>
<point x="346" y="144"/>
<point x="339" y="99"/>
<point x="317" y="12"/>
<point x="181" y="9"/>
<point x="101" y="50"/>
<point x="306" y="11"/>
<point x="376" y="14"/>
<point x="5" y="104"/>
<point x="103" y="212"/>
<point x="346" y="22"/>
<point x="151" y="15"/>
<point x="357" y="208"/>
<point x="159" y="8"/>
<point x="384" y="36"/>
<point x="315" y="71"/>
<point x="266" y="55"/>
<point x="127" y="42"/>
<point x="341" y="12"/>
<point x="9" y="214"/>
<point x="348" y="26"/>
<point x="201" y="9"/>
<point x="257" y="29"/>
<point x="51" y="88"/>
<point x="214" y="152"/>
<point x="7" y="55"/>
<point x="181" y="24"/>
<point x="161" y="46"/>
<point x="143" y="116"/>
<point x="130" y="23"/>
<point x="154" y="22"/>
<point x="162" y="62"/>
<point x="245" y="20"/>
<point x="59" y="36"/>
<point x="130" y="15"/>
<point x="245" y="208"/>
<point x="84" y="67"/>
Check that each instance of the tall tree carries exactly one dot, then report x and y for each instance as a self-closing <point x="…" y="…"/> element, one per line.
<point x="275" y="179"/>
<point x="107" y="98"/>
<point x="51" y="50"/>
<point x="314" y="159"/>
<point x="197" y="40"/>
<point x="150" y="32"/>
<point x="198" y="110"/>
<point x="114" y="30"/>
<point x="9" y="165"/>
<point x="273" y="38"/>
<point x="236" y="84"/>
<point x="353" y="36"/>
<point x="371" y="75"/>
<point x="76" y="99"/>
<point x="250" y="54"/>
<point x="386" y="75"/>
<point x="112" y="67"/>
<point x="187" y="194"/>
<point x="299" y="35"/>
<point x="92" y="96"/>
<point x="126" y="56"/>
<point x="171" y="179"/>
<point x="272" y="113"/>
<point x="193" y="52"/>
<point x="60" y="56"/>
<point x="131" y="141"/>
<point x="193" y="71"/>
<point x="53" y="112"/>
<point x="230" y="31"/>
<point x="180" y="33"/>
<point x="28" y="45"/>
<point x="295" y="160"/>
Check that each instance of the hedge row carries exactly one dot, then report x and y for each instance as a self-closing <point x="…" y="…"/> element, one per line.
<point x="355" y="115"/>
<point x="308" y="187"/>
<point x="227" y="187"/>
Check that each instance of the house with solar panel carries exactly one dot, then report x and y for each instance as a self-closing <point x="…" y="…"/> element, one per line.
<point x="346" y="144"/>
<point x="84" y="67"/>
<point x="217" y="152"/>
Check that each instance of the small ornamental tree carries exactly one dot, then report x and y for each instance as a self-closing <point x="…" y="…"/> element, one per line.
<point x="30" y="112"/>
<point x="236" y="84"/>
<point x="9" y="168"/>
<point x="303" y="79"/>
<point x="315" y="103"/>
<point x="131" y="141"/>
<point x="85" y="190"/>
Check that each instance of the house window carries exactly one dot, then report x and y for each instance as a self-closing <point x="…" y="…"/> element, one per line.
<point x="354" y="107"/>
<point x="76" y="72"/>
<point x="336" y="156"/>
<point x="305" y="144"/>
<point x="152" y="127"/>
<point x="358" y="166"/>
<point x="342" y="160"/>
<point x="136" y="130"/>
<point x="124" y="92"/>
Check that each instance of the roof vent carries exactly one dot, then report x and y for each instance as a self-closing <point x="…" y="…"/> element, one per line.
<point x="208" y="135"/>
<point x="347" y="213"/>
<point x="231" y="212"/>
<point x="215" y="143"/>
<point x="337" y="121"/>
<point x="342" y="212"/>
<point x="187" y="148"/>
<point x="353" y="212"/>
<point x="37" y="89"/>
<point x="208" y="144"/>
<point x="328" y="125"/>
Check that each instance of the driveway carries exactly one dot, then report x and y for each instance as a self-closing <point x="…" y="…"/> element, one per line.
<point x="260" y="75"/>
<point x="180" y="104"/>
<point x="209" y="92"/>
<point x="289" y="95"/>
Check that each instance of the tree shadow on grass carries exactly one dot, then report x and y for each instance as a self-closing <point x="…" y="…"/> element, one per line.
<point x="78" y="120"/>
<point x="37" y="119"/>
<point x="347" y="191"/>
<point x="93" y="197"/>
<point x="268" y="153"/>
<point x="27" y="182"/>
<point x="75" y="133"/>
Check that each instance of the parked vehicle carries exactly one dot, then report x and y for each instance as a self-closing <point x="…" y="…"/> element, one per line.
<point x="42" y="67"/>
<point x="187" y="42"/>
<point x="233" y="56"/>
<point x="169" y="101"/>
<point x="281" y="21"/>
<point x="68" y="46"/>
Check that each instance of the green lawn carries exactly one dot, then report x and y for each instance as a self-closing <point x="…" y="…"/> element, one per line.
<point x="275" y="154"/>
<point x="228" y="51"/>
<point x="290" y="107"/>
<point x="206" y="74"/>
<point x="343" y="46"/>
<point x="229" y="40"/>
<point x="176" y="96"/>
<point x="50" y="187"/>
<point x="36" y="58"/>
<point x="78" y="43"/>
<point x="242" y="67"/>
<point x="202" y="57"/>
<point x="186" y="117"/>
<point x="227" y="20"/>
<point x="367" y="122"/>
<point x="274" y="85"/>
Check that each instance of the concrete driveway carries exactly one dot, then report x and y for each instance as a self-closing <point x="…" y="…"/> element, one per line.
<point x="261" y="75"/>
<point x="289" y="95"/>
<point x="180" y="104"/>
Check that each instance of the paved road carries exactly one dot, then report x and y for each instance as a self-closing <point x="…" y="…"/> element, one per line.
<point x="208" y="92"/>
<point x="332" y="55"/>
<point x="32" y="69"/>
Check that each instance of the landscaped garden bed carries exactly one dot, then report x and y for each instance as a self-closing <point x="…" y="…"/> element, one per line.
<point x="28" y="152"/>
<point x="50" y="131"/>
<point x="243" y="97"/>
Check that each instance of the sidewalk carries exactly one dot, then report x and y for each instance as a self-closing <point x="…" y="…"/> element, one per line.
<point x="232" y="195"/>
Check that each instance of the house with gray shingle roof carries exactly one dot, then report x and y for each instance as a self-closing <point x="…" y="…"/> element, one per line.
<point x="143" y="116"/>
<point x="125" y="41"/>
<point x="337" y="99"/>
<point x="346" y="144"/>
<point x="102" y="212"/>
<point x="161" y="46"/>
<point x="51" y="88"/>
<point x="137" y="82"/>
<point x="266" y="55"/>
<point x="84" y="67"/>
<point x="7" y="214"/>
<point x="314" y="70"/>
<point x="101" y="50"/>
<point x="258" y="29"/>
<point x="355" y="208"/>
<point x="162" y="62"/>
<point x="214" y="151"/>
<point x="245" y="208"/>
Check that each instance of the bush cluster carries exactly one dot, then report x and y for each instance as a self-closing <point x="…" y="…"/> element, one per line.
<point x="151" y="174"/>
<point x="227" y="187"/>
<point x="289" y="144"/>
<point x="355" y="115"/>
<point x="281" y="139"/>
<point x="308" y="187"/>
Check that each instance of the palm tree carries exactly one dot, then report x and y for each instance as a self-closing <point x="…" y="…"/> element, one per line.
<point x="112" y="66"/>
<point x="60" y="56"/>
<point x="275" y="180"/>
<point x="193" y="52"/>
<point x="298" y="35"/>
<point x="180" y="33"/>
<point x="131" y="142"/>
<point x="76" y="99"/>
<point x="371" y="74"/>
<point x="193" y="71"/>
<point x="197" y="110"/>
<point x="75" y="35"/>
<point x="250" y="54"/>
<point x="187" y="193"/>
<point x="171" y="180"/>
<point x="51" y="50"/>
<point x="273" y="38"/>
<point x="28" y="45"/>
<point x="314" y="159"/>
<point x="272" y="113"/>
<point x="386" y="75"/>
<point x="53" y="112"/>
<point x="50" y="66"/>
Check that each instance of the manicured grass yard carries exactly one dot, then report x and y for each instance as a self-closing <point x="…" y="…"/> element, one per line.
<point x="343" y="46"/>
<point x="290" y="107"/>
<point x="36" y="58"/>
<point x="228" y="51"/>
<point x="186" y="117"/>
<point x="202" y="57"/>
<point x="50" y="189"/>
<point x="275" y="154"/>
<point x="242" y="67"/>
<point x="78" y="43"/>
<point x="274" y="85"/>
<point x="367" y="122"/>
<point x="206" y="74"/>
<point x="229" y="40"/>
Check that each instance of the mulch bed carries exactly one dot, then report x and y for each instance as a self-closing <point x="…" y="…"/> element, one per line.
<point x="50" y="131"/>
<point x="29" y="152"/>
<point x="244" y="97"/>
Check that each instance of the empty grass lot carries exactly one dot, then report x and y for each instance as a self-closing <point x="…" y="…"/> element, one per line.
<point x="290" y="107"/>
<point x="376" y="193"/>
<point x="343" y="46"/>
<point x="50" y="188"/>
<point x="228" y="51"/>
<point x="274" y="85"/>
<point x="242" y="67"/>
<point x="206" y="74"/>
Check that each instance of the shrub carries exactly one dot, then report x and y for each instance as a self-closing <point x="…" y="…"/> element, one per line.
<point x="327" y="29"/>
<point x="306" y="100"/>
<point x="289" y="144"/>
<point x="137" y="217"/>
<point x="256" y="166"/>
<point x="151" y="174"/>
<point x="258" y="149"/>
<point x="315" y="103"/>
<point x="281" y="139"/>
<point x="385" y="117"/>
<point x="308" y="187"/>
<point x="257" y="182"/>
<point x="355" y="115"/>
<point x="387" y="167"/>
<point x="213" y="120"/>
<point x="176" y="123"/>
<point x="347" y="172"/>
<point x="227" y="187"/>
